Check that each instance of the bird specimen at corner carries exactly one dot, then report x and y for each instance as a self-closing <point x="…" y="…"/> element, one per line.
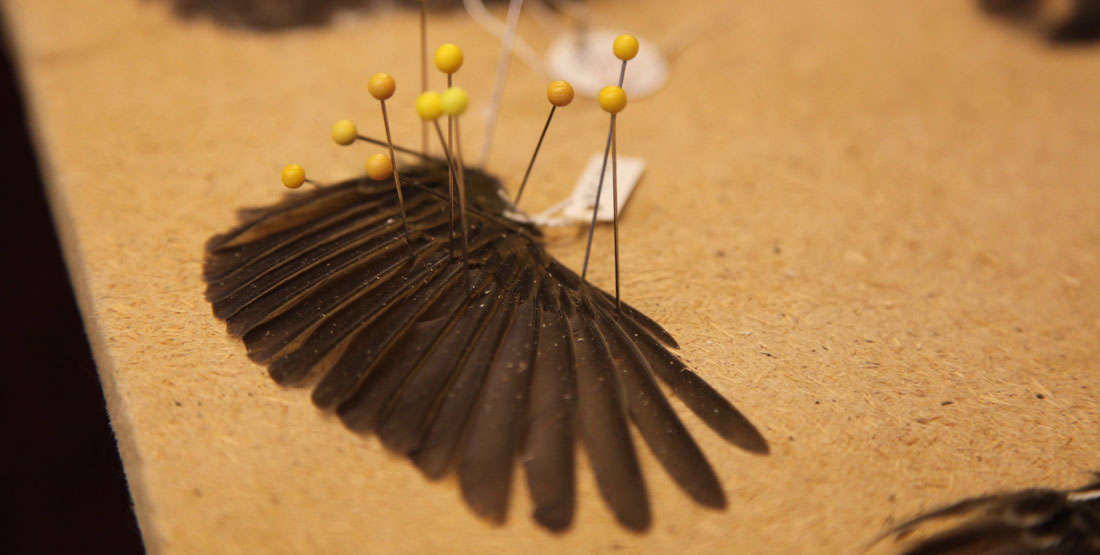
<point x="279" y="15"/>
<point x="1033" y="521"/>
<point x="1060" y="21"/>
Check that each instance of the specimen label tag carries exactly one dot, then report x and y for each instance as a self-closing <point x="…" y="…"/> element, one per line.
<point x="577" y="207"/>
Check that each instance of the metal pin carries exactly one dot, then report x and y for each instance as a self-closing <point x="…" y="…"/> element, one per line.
<point x="613" y="100"/>
<point x="559" y="93"/>
<point x="429" y="106"/>
<point x="454" y="103"/>
<point x="382" y="86"/>
<point x="424" y="69"/>
<point x="448" y="59"/>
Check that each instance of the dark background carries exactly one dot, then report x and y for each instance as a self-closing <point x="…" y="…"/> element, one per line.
<point x="63" y="487"/>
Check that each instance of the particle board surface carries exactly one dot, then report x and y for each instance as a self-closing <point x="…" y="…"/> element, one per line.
<point x="872" y="226"/>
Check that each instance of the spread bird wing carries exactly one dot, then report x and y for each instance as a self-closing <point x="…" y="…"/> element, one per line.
<point x="464" y="368"/>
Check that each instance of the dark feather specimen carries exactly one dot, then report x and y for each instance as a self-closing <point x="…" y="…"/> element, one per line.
<point x="1060" y="21"/>
<point x="532" y="360"/>
<point x="1026" y="522"/>
<point x="277" y="15"/>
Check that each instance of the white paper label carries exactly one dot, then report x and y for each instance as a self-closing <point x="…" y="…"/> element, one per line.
<point x="577" y="207"/>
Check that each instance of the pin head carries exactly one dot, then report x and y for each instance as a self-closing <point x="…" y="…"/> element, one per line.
<point x="454" y="101"/>
<point x="429" y="105"/>
<point x="293" y="176"/>
<point x="612" y="99"/>
<point x="625" y="47"/>
<point x="560" y="93"/>
<point x="379" y="167"/>
<point x="344" y="132"/>
<point x="448" y="58"/>
<point x="381" y="86"/>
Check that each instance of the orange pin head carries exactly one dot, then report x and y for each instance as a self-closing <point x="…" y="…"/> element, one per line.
<point x="344" y="132"/>
<point x="625" y="47"/>
<point x="454" y="101"/>
<point x="381" y="86"/>
<point x="429" y="105"/>
<point x="612" y="99"/>
<point x="560" y="93"/>
<point x="293" y="176"/>
<point x="448" y="58"/>
<point x="379" y="167"/>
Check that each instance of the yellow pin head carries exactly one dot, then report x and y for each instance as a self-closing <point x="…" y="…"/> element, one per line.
<point x="560" y="93"/>
<point x="454" y="101"/>
<point x="448" y="58"/>
<point x="344" y="132"/>
<point x="293" y="176"/>
<point x="379" y="167"/>
<point x="612" y="99"/>
<point x="429" y="105"/>
<point x="625" y="47"/>
<point x="381" y="86"/>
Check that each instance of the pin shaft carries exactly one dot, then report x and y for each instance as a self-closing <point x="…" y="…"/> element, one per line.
<point x="451" y="171"/>
<point x="461" y="170"/>
<point x="599" y="187"/>
<point x="596" y="207"/>
<point x="396" y="176"/>
<point x="424" y="68"/>
<point x="398" y="148"/>
<point x="443" y="144"/>
<point x="615" y="208"/>
<point x="507" y="43"/>
<point x="531" y="164"/>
